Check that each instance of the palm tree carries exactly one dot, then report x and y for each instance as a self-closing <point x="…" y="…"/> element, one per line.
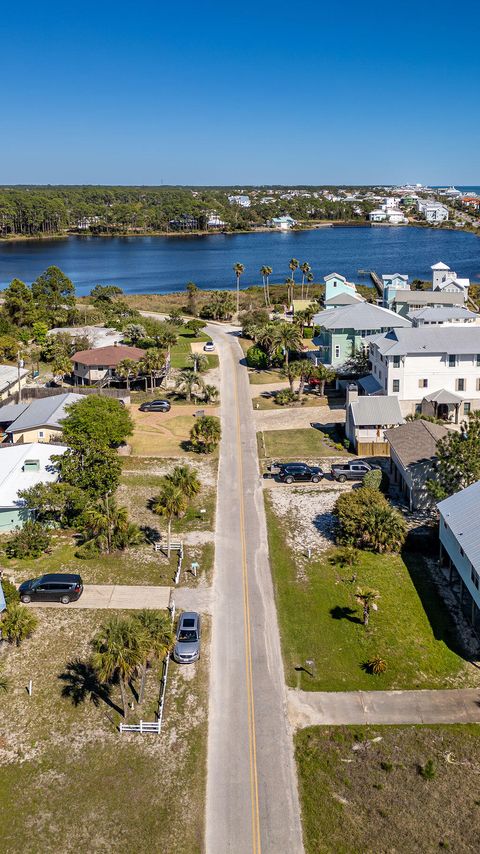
<point x="126" y="370"/>
<point x="171" y="503"/>
<point x="119" y="650"/>
<point x="266" y="338"/>
<point x="159" y="640"/>
<point x="187" y="479"/>
<point x="265" y="273"/>
<point x="305" y="268"/>
<point x="324" y="375"/>
<point x="290" y="283"/>
<point x="61" y="365"/>
<point x="153" y="363"/>
<point x="134" y="332"/>
<point x="18" y="623"/>
<point x="309" y="278"/>
<point x="309" y="313"/>
<point x="366" y="598"/>
<point x="292" y="372"/>
<point x="384" y="529"/>
<point x="238" y="269"/>
<point x="210" y="393"/>
<point x="300" y="320"/>
<point x="108" y="525"/>
<point x="205" y="434"/>
<point x="287" y="336"/>
<point x="293" y="266"/>
<point x="198" y="361"/>
<point x="190" y="384"/>
<point x="305" y="370"/>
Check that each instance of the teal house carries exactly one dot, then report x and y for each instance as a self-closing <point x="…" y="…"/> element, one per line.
<point x="344" y="331"/>
<point x="21" y="467"/>
<point x="336" y="285"/>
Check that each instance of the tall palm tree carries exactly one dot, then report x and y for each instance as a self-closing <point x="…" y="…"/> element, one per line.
<point x="290" y="283"/>
<point x="126" y="370"/>
<point x="18" y="623"/>
<point x="324" y="375"/>
<point x="159" y="640"/>
<point x="309" y="278"/>
<point x="239" y="270"/>
<point x="305" y="370"/>
<point x="293" y="266"/>
<point x="205" y="434"/>
<point x="266" y="272"/>
<point x="187" y="479"/>
<point x="171" y="503"/>
<point x="305" y="268"/>
<point x="288" y="337"/>
<point x="103" y="522"/>
<point x="153" y="364"/>
<point x="366" y="598"/>
<point x="309" y="313"/>
<point x="119" y="650"/>
<point x="189" y="383"/>
<point x="198" y="361"/>
<point x="300" y="320"/>
<point x="291" y="372"/>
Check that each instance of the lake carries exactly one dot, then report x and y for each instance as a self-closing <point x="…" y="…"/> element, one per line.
<point x="165" y="264"/>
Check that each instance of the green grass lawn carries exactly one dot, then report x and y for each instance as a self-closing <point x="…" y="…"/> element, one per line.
<point x="373" y="798"/>
<point x="70" y="782"/>
<point x="266" y="377"/>
<point x="182" y="349"/>
<point x="320" y="619"/>
<point x="295" y="444"/>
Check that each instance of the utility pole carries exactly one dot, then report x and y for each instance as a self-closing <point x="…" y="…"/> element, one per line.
<point x="20" y="364"/>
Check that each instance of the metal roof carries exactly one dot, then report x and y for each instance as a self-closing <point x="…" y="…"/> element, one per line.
<point x="443" y="396"/>
<point x="442" y="313"/>
<point x="344" y="298"/>
<point x="9" y="375"/>
<point x="461" y="513"/>
<point x="44" y="412"/>
<point x="13" y="474"/>
<point x="422" y="340"/>
<point x="427" y="297"/>
<point x="370" y="384"/>
<point x="381" y="409"/>
<point x="11" y="411"/>
<point x="360" y="316"/>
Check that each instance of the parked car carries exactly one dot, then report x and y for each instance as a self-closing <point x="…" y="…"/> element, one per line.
<point x="209" y="346"/>
<point x="299" y="472"/>
<point x="61" y="587"/>
<point x="353" y="470"/>
<point x="155" y="406"/>
<point x="187" y="646"/>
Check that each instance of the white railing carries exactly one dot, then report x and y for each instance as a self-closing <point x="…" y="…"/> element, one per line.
<point x="143" y="726"/>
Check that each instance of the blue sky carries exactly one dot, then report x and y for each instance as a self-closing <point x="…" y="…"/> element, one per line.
<point x="212" y="93"/>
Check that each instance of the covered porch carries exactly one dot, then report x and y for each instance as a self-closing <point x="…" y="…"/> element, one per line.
<point x="442" y="404"/>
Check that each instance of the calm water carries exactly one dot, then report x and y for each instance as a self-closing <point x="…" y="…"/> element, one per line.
<point x="165" y="264"/>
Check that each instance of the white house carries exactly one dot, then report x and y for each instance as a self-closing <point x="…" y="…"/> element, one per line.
<point x="243" y="201"/>
<point x="435" y="371"/>
<point x="367" y="418"/>
<point x="377" y="215"/>
<point x="21" y="467"/>
<point x="214" y="220"/>
<point x="459" y="533"/>
<point x="432" y="211"/>
<point x="283" y="223"/>
<point x="438" y="316"/>
<point x="446" y="280"/>
<point x="98" y="336"/>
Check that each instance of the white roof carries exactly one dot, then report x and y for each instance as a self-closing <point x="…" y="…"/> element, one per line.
<point x="421" y="340"/>
<point x="100" y="336"/>
<point x="440" y="266"/>
<point x="9" y="376"/>
<point x="13" y="477"/>
<point x="370" y="411"/>
<point x="360" y="316"/>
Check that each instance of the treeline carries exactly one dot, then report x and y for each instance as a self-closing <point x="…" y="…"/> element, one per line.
<point x="30" y="211"/>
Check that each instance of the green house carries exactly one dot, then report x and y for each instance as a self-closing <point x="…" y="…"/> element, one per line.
<point x="343" y="331"/>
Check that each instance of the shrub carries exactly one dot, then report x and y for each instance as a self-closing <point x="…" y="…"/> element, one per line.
<point x="346" y="444"/>
<point x="256" y="358"/>
<point x="205" y="434"/>
<point x="284" y="397"/>
<point x="10" y="591"/>
<point x="18" y="623"/>
<point x="366" y="520"/>
<point x="427" y="771"/>
<point x="30" y="541"/>
<point x="308" y="332"/>
<point x="87" y="551"/>
<point x="373" y="479"/>
<point x="376" y="666"/>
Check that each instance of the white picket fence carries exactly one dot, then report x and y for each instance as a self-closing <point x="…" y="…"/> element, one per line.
<point x="143" y="726"/>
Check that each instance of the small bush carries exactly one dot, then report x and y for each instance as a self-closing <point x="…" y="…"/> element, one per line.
<point x="373" y="479"/>
<point x="18" y="623"/>
<point x="308" y="332"/>
<point x="30" y="541"/>
<point x="256" y="358"/>
<point x="284" y="397"/>
<point x="427" y="771"/>
<point x="87" y="551"/>
<point x="386" y="766"/>
<point x="10" y="591"/>
<point x="346" y="444"/>
<point x="376" y="666"/>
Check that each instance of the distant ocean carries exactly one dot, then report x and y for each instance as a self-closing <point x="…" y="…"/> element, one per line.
<point x="460" y="187"/>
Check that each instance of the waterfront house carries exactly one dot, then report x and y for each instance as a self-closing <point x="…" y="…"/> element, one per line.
<point x="98" y="366"/>
<point x="393" y="282"/>
<point x="433" y="212"/>
<point x="446" y="280"/>
<point x="21" y="467"/>
<point x="184" y="222"/>
<point x="214" y="221"/>
<point x="367" y="418"/>
<point x="98" y="336"/>
<point x="336" y="285"/>
<point x="451" y="316"/>
<point x="459" y="534"/>
<point x="283" y="223"/>
<point x="377" y="215"/>
<point x="432" y="370"/>
<point x="405" y="301"/>
<point x="343" y="331"/>
<point x="38" y="421"/>
<point x="413" y="449"/>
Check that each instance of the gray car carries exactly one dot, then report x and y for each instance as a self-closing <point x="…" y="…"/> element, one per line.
<point x="187" y="646"/>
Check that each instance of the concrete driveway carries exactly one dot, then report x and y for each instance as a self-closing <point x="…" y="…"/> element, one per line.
<point x="290" y="419"/>
<point x="116" y="596"/>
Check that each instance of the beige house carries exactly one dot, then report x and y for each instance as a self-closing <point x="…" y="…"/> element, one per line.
<point x="38" y="421"/>
<point x="94" y="366"/>
<point x="12" y="379"/>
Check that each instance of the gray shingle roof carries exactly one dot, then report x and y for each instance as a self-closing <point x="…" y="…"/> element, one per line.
<point x="415" y="441"/>
<point x="9" y="375"/>
<point x="442" y="313"/>
<point x="456" y="340"/>
<point x="427" y="297"/>
<point x="360" y="316"/>
<point x="344" y="299"/>
<point x="376" y="410"/>
<point x="11" y="411"/>
<point x="461" y="513"/>
<point x="44" y="412"/>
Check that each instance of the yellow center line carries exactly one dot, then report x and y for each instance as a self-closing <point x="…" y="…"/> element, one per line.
<point x="256" y="839"/>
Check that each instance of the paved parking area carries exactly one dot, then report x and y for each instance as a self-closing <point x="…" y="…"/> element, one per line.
<point x="116" y="596"/>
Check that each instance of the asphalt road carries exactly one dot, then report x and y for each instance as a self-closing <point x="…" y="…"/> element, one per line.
<point x="252" y="800"/>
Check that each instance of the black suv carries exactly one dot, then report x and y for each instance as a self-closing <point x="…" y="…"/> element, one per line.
<point x="290" y="472"/>
<point x="155" y="406"/>
<point x="61" y="587"/>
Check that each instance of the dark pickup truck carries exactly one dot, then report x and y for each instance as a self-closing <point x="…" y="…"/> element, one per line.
<point x="354" y="470"/>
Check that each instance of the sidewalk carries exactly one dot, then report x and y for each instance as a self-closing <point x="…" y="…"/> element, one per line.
<point x="322" y="708"/>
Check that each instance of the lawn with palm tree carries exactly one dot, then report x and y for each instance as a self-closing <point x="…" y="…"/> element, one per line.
<point x="322" y="610"/>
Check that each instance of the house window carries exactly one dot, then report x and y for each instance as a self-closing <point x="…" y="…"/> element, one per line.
<point x="460" y="385"/>
<point x="396" y="361"/>
<point x="396" y="385"/>
<point x="478" y="385"/>
<point x="452" y="361"/>
<point x="418" y="408"/>
<point x="337" y="351"/>
<point x="423" y="383"/>
<point x="478" y="360"/>
<point x="41" y="434"/>
<point x="462" y="552"/>
<point x="474" y="577"/>
<point x="466" y="408"/>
